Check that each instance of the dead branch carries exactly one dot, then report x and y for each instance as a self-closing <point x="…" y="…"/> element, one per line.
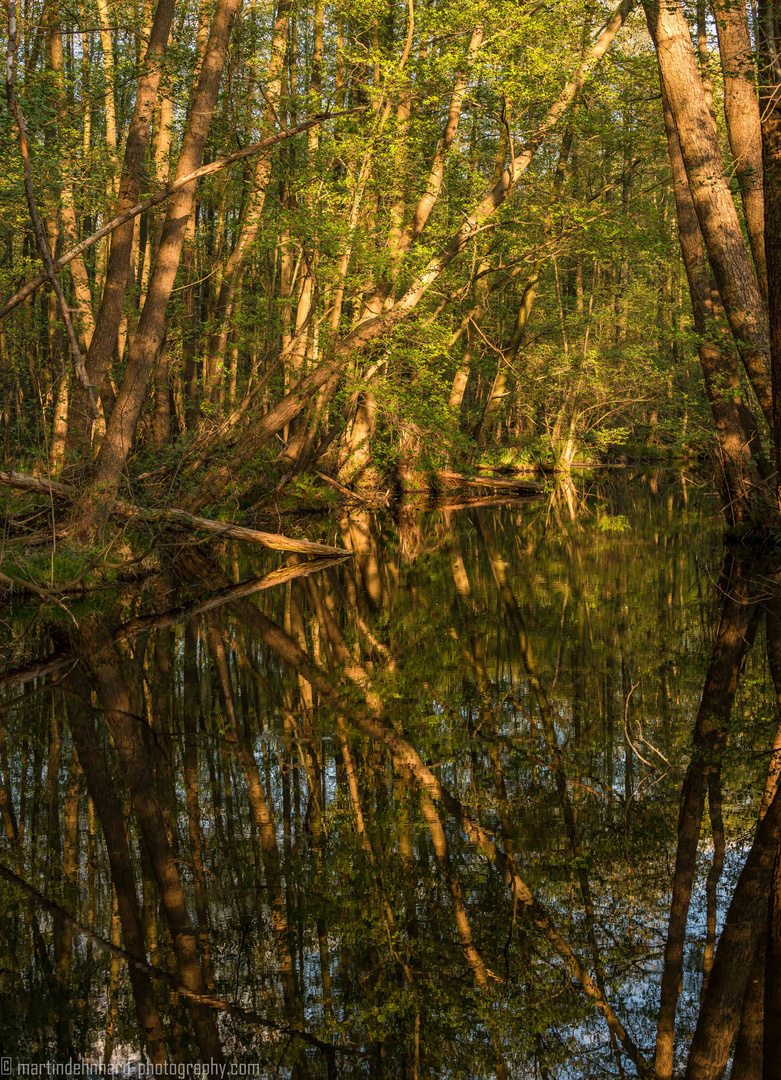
<point x="275" y="541"/>
<point x="518" y="484"/>
<point x="23" y="482"/>
<point x="224" y="528"/>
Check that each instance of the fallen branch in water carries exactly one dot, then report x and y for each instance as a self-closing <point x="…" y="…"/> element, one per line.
<point x="531" y="487"/>
<point x="275" y="541"/>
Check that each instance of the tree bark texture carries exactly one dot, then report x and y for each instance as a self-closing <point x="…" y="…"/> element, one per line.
<point x="718" y="219"/>
<point x="110" y="312"/>
<point x="150" y="332"/>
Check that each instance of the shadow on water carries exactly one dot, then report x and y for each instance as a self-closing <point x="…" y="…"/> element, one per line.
<point x="499" y="796"/>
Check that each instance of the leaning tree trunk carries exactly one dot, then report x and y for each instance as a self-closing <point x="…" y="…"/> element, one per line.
<point x="771" y="156"/>
<point x="151" y="326"/>
<point x="741" y="108"/>
<point x="110" y="311"/>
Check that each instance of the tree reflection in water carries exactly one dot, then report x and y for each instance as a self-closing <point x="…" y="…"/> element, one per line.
<point x="497" y="796"/>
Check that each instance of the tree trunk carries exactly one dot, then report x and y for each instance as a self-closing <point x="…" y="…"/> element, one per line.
<point x="116" y="702"/>
<point x="770" y="39"/>
<point x="709" y="739"/>
<point x="151" y="327"/>
<point x="718" y="219"/>
<point x="741" y="108"/>
<point x="736" y="428"/>
<point x="102" y="791"/>
<point x="745" y="926"/>
<point x="110" y="312"/>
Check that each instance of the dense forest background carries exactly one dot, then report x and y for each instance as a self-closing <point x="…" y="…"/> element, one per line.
<point x="450" y="235"/>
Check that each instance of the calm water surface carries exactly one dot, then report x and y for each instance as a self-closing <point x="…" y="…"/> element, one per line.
<point x="414" y="814"/>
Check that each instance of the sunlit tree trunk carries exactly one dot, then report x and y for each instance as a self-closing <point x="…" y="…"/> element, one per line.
<point x="770" y="90"/>
<point x="59" y="423"/>
<point x="151" y="327"/>
<point x="741" y="108"/>
<point x="721" y="232"/>
<point x="736" y="429"/>
<point x="110" y="312"/>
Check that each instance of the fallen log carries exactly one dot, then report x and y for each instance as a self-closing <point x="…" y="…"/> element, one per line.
<point x="510" y="470"/>
<point x="531" y="487"/>
<point x="275" y="541"/>
<point x="23" y="482"/>
<point x="225" y="528"/>
<point x="480" y="503"/>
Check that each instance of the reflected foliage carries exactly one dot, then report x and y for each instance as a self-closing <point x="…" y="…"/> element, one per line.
<point x="489" y="798"/>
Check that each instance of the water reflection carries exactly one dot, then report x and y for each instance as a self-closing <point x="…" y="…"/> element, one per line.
<point x="495" y="797"/>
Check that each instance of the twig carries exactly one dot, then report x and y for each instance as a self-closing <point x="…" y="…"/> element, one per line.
<point x="635" y="751"/>
<point x="24" y="583"/>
